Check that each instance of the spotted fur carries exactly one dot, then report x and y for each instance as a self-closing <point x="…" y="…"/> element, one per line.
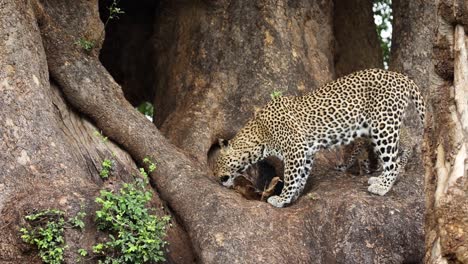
<point x="360" y="153"/>
<point x="369" y="103"/>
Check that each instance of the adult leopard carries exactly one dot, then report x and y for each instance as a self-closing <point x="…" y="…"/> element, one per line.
<point x="369" y="103"/>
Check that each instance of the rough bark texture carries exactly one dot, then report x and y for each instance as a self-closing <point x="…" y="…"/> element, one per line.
<point x="357" y="45"/>
<point x="50" y="155"/>
<point x="217" y="61"/>
<point x="414" y="23"/>
<point x="447" y="142"/>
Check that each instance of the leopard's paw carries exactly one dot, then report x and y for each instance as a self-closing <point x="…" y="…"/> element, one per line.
<point x="374" y="180"/>
<point x="276" y="201"/>
<point x="377" y="188"/>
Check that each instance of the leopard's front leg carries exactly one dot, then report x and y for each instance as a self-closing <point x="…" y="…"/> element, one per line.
<point x="296" y="172"/>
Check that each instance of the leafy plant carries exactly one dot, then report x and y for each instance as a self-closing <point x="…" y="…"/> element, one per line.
<point x="82" y="252"/>
<point x="77" y="220"/>
<point x="100" y="136"/>
<point x="114" y="12"/>
<point x="276" y="94"/>
<point x="107" y="165"/>
<point x="150" y="163"/>
<point x="46" y="233"/>
<point x="146" y="108"/>
<point x="136" y="235"/>
<point x="85" y="44"/>
<point x="383" y="18"/>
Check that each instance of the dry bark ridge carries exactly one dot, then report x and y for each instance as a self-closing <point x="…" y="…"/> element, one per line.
<point x="228" y="56"/>
<point x="447" y="173"/>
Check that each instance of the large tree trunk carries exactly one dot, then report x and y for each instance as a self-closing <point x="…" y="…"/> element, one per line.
<point x="447" y="140"/>
<point x="357" y="45"/>
<point x="50" y="157"/>
<point x="212" y="64"/>
<point x="218" y="61"/>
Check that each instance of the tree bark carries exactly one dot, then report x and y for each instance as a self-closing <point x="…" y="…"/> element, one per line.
<point x="218" y="61"/>
<point x="357" y="45"/>
<point x="447" y="143"/>
<point x="50" y="157"/>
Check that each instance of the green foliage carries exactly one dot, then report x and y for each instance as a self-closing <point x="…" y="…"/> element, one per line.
<point x="46" y="233"/>
<point x="100" y="136"/>
<point x="276" y="94"/>
<point x="82" y="252"/>
<point x="383" y="20"/>
<point x="146" y="108"/>
<point x="77" y="220"/>
<point x="107" y="165"/>
<point x="85" y="44"/>
<point x="136" y="235"/>
<point x="151" y="165"/>
<point x="114" y="12"/>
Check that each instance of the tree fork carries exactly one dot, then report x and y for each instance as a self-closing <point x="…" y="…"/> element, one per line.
<point x="342" y="222"/>
<point x="182" y="182"/>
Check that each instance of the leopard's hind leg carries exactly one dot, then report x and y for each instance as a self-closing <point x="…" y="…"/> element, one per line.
<point x="386" y="146"/>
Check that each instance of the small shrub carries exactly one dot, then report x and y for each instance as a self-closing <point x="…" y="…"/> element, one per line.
<point x="82" y="252"/>
<point x="114" y="12"/>
<point x="276" y="94"/>
<point x="101" y="136"/>
<point x="146" y="108"/>
<point x="77" y="221"/>
<point x="106" y="169"/>
<point x="46" y="233"/>
<point x="136" y="235"/>
<point x="151" y="165"/>
<point x="85" y="44"/>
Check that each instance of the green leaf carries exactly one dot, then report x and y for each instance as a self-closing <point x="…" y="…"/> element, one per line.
<point x="82" y="252"/>
<point x="276" y="94"/>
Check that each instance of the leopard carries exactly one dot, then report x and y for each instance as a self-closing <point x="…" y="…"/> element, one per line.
<point x="360" y="153"/>
<point x="368" y="103"/>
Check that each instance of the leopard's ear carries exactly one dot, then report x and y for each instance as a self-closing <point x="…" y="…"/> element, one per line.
<point x="223" y="143"/>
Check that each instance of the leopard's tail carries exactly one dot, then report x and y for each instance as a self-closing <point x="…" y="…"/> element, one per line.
<point x="418" y="100"/>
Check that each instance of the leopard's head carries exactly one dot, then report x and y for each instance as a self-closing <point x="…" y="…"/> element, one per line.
<point x="230" y="164"/>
